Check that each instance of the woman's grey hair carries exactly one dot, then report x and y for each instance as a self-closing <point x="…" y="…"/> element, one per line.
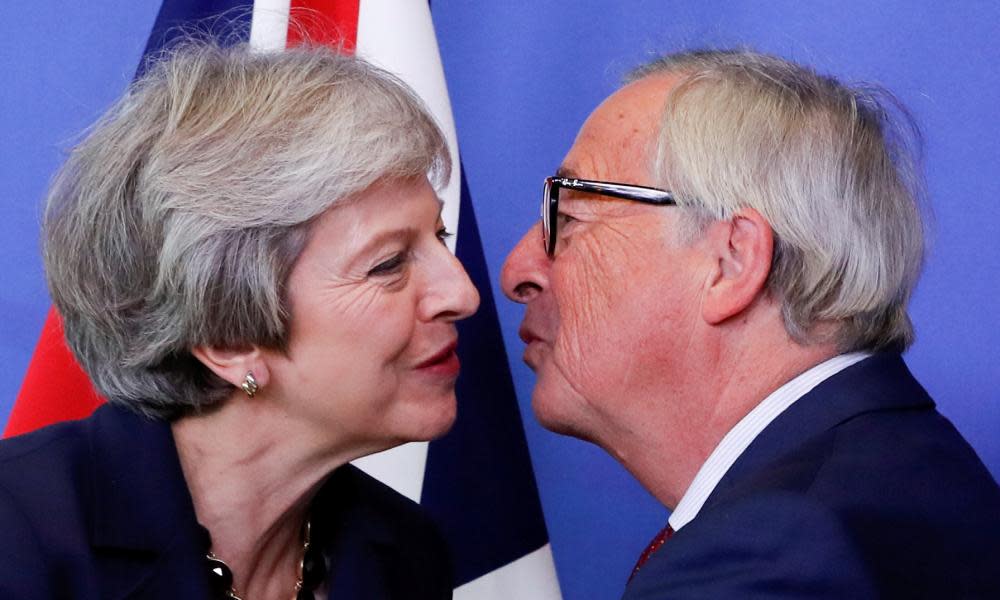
<point x="176" y="222"/>
<point x="834" y="170"/>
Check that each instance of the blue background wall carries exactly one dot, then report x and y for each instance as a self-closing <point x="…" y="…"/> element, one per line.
<point x="523" y="77"/>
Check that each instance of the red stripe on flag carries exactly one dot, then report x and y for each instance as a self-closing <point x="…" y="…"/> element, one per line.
<point x="325" y="22"/>
<point x="55" y="387"/>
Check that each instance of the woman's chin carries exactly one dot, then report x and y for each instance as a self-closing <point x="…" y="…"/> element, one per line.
<point x="436" y="421"/>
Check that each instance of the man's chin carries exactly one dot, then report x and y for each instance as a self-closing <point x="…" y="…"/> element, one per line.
<point x="552" y="412"/>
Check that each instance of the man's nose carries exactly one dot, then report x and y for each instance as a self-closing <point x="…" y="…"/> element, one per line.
<point x="525" y="272"/>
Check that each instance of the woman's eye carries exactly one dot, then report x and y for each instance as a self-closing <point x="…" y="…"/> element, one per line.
<point x="389" y="267"/>
<point x="443" y="234"/>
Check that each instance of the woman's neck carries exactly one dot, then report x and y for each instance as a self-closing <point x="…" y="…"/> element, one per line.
<point x="252" y="477"/>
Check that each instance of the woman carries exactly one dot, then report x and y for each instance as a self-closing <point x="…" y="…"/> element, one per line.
<point x="248" y="257"/>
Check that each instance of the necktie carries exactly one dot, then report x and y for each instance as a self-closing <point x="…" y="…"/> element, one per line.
<point x="658" y="541"/>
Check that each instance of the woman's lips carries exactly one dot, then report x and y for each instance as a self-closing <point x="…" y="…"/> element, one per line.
<point x="444" y="362"/>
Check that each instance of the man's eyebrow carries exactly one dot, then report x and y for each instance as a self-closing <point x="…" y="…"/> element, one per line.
<point x="567" y="173"/>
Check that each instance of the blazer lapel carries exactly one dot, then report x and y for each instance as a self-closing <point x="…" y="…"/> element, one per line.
<point x="144" y="531"/>
<point x="880" y="382"/>
<point x="359" y="543"/>
<point x="359" y="566"/>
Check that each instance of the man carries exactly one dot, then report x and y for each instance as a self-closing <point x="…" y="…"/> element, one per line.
<point x="717" y="296"/>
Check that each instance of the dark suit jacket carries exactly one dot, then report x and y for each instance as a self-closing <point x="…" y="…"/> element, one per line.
<point x="861" y="489"/>
<point x="99" y="508"/>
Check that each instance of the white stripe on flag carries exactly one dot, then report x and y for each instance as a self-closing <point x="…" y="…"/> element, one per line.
<point x="398" y="35"/>
<point x="401" y="468"/>
<point x="269" y="25"/>
<point x="531" y="577"/>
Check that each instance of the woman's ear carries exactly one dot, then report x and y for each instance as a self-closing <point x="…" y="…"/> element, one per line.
<point x="742" y="248"/>
<point x="234" y="365"/>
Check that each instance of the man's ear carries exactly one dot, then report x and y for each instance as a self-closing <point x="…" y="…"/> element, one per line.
<point x="233" y="365"/>
<point x="742" y="248"/>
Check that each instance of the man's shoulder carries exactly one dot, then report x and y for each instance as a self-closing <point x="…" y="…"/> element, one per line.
<point x="772" y="543"/>
<point x="861" y="490"/>
<point x="916" y="499"/>
<point x="916" y="450"/>
<point x="918" y="446"/>
<point x="867" y="431"/>
<point x="792" y="542"/>
<point x="885" y="503"/>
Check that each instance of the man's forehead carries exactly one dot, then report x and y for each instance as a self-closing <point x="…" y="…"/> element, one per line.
<point x="618" y="140"/>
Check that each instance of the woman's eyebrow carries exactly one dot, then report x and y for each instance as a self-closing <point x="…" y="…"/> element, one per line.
<point x="386" y="236"/>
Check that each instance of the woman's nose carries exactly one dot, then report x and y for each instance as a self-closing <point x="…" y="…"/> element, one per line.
<point x="454" y="297"/>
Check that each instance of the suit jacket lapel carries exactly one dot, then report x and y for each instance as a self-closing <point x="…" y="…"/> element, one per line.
<point x="145" y="534"/>
<point x="359" y="565"/>
<point x="880" y="382"/>
<point x="359" y="542"/>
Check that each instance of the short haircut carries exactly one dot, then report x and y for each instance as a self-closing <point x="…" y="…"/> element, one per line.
<point x="834" y="169"/>
<point x="177" y="220"/>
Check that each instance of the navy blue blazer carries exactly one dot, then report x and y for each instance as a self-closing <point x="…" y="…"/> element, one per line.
<point x="99" y="508"/>
<point x="861" y="489"/>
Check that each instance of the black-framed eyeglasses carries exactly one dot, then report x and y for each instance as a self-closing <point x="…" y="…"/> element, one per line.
<point x="550" y="200"/>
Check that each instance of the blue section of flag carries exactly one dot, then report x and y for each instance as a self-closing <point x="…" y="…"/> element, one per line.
<point x="479" y="483"/>
<point x="227" y="21"/>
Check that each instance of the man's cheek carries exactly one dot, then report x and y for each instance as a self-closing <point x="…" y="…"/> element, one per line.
<point x="581" y="347"/>
<point x="598" y="274"/>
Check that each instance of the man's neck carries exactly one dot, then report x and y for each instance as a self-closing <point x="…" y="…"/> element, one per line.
<point x="665" y="451"/>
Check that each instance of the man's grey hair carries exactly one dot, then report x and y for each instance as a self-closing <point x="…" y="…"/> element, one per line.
<point x="834" y="170"/>
<point x="177" y="220"/>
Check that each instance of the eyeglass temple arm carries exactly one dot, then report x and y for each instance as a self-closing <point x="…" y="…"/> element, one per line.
<point x="627" y="192"/>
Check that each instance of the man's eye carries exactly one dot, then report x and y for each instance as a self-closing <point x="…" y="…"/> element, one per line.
<point x="562" y="220"/>
<point x="389" y="267"/>
<point x="443" y="234"/>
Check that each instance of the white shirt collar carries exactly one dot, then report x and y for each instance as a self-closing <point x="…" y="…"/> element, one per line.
<point x="749" y="427"/>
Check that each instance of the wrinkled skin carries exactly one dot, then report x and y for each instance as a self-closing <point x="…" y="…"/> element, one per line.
<point x="374" y="295"/>
<point x="608" y="314"/>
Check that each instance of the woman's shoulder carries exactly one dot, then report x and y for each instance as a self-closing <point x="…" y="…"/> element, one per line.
<point x="53" y="473"/>
<point x="39" y="457"/>
<point x="42" y="481"/>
